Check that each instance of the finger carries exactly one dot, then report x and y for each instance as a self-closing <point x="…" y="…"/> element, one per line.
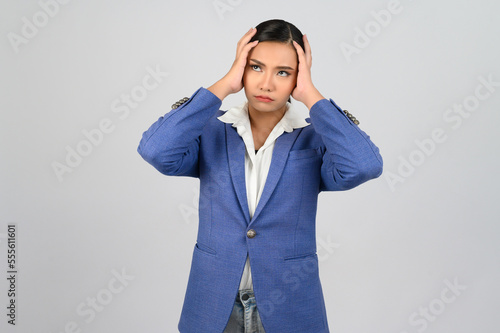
<point x="248" y="33"/>
<point x="246" y="50"/>
<point x="308" y="50"/>
<point x="245" y="39"/>
<point x="300" y="53"/>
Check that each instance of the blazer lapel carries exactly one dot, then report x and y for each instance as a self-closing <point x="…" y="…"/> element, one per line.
<point x="280" y="155"/>
<point x="236" y="153"/>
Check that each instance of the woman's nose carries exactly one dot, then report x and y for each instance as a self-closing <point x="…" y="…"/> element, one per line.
<point x="267" y="82"/>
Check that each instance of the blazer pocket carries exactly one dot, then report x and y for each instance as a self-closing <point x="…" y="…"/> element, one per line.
<point x="301" y="256"/>
<point x="205" y="249"/>
<point x="303" y="153"/>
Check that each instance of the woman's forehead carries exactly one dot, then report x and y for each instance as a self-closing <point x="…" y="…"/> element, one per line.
<point x="274" y="54"/>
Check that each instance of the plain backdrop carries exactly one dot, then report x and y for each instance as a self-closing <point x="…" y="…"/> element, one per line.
<point x="104" y="241"/>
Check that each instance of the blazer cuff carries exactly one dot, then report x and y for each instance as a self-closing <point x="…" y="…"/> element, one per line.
<point x="328" y="102"/>
<point x="202" y="94"/>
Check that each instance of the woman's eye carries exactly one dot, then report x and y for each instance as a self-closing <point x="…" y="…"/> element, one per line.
<point x="255" y="68"/>
<point x="283" y="73"/>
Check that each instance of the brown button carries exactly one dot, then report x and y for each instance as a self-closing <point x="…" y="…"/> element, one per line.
<point x="251" y="233"/>
<point x="351" y="117"/>
<point x="180" y="102"/>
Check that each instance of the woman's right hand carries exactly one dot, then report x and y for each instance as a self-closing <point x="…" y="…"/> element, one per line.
<point x="232" y="82"/>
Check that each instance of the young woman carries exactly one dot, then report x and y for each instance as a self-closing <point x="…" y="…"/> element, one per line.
<point x="261" y="167"/>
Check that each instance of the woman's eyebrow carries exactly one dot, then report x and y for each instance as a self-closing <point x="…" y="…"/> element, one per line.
<point x="278" y="67"/>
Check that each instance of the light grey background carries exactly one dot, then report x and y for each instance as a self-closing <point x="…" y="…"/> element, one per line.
<point x="388" y="249"/>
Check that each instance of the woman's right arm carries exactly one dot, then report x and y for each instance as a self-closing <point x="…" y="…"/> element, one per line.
<point x="171" y="144"/>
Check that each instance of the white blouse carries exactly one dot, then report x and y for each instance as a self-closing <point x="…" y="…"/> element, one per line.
<point x="257" y="164"/>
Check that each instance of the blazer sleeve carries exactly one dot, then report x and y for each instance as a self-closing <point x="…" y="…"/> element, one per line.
<point x="172" y="143"/>
<point x="350" y="157"/>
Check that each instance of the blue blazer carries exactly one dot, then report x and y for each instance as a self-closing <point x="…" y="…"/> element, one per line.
<point x="331" y="154"/>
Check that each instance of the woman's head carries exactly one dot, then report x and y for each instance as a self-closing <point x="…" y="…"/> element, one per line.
<point x="278" y="31"/>
<point x="272" y="66"/>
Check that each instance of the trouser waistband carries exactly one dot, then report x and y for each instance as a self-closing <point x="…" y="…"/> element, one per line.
<point x="245" y="294"/>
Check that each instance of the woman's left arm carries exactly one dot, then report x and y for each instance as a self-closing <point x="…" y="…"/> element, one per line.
<point x="350" y="158"/>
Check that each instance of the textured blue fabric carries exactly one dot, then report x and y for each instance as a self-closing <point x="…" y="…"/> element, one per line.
<point x="331" y="154"/>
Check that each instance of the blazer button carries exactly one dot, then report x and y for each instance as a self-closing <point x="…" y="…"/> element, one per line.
<point x="351" y="117"/>
<point x="180" y="102"/>
<point x="251" y="233"/>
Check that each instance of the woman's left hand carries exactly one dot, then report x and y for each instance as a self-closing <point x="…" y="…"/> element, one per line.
<point x="305" y="91"/>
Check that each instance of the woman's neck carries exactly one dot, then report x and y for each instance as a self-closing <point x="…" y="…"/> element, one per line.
<point x="264" y="122"/>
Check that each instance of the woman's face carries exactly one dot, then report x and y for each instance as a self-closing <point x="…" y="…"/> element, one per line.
<point x="270" y="76"/>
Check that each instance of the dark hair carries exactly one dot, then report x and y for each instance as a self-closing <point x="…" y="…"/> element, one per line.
<point x="278" y="31"/>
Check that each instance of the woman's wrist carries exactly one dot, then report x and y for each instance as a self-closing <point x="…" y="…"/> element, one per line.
<point x="312" y="98"/>
<point x="220" y="89"/>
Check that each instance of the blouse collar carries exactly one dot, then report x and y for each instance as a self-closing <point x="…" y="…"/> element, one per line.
<point x="238" y="117"/>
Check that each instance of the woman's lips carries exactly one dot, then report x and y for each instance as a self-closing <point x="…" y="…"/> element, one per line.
<point x="264" y="99"/>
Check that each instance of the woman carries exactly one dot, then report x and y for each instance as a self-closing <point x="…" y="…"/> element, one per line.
<point x="261" y="167"/>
